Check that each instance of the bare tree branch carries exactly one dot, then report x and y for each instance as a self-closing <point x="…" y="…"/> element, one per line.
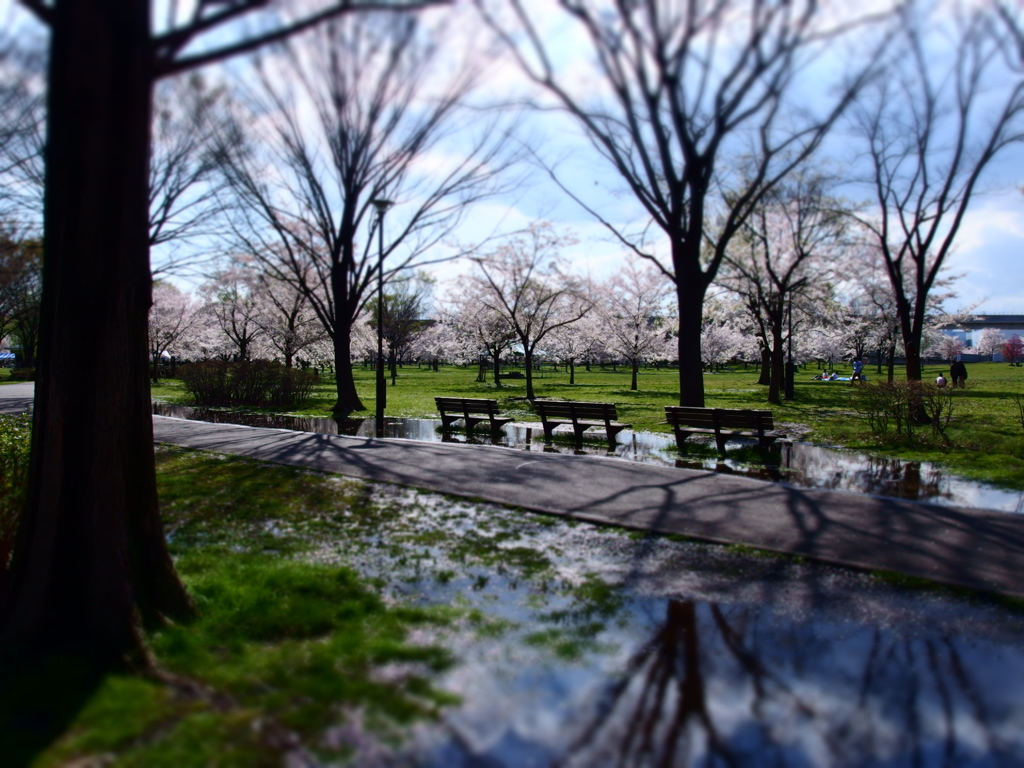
<point x="40" y="10"/>
<point x="681" y="86"/>
<point x="169" y="45"/>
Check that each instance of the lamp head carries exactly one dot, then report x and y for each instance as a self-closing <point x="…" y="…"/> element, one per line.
<point x="381" y="205"/>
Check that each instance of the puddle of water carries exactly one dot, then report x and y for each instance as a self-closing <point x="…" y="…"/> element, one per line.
<point x="799" y="464"/>
<point x="616" y="650"/>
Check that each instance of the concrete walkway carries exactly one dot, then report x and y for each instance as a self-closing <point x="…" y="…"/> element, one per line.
<point x="961" y="547"/>
<point x="971" y="548"/>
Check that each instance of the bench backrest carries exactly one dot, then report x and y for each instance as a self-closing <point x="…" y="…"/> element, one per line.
<point x="723" y="418"/>
<point x="567" y="409"/>
<point x="466" y="405"/>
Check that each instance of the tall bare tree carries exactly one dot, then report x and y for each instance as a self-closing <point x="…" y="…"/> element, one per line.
<point x="931" y="129"/>
<point x="22" y="112"/>
<point x="361" y="109"/>
<point x="90" y="565"/>
<point x="679" y="87"/>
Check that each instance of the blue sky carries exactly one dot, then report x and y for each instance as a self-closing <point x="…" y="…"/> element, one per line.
<point x="990" y="246"/>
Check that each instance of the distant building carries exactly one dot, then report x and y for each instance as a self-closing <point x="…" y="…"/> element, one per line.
<point x="970" y="331"/>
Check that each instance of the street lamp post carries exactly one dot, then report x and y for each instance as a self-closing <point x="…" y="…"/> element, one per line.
<point x="382" y="390"/>
<point x="790" y="368"/>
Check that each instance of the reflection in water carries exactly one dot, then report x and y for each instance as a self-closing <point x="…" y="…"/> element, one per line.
<point x="800" y="464"/>
<point x="689" y="655"/>
<point x="721" y="685"/>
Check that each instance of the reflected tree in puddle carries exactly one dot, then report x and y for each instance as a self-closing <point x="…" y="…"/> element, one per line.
<point x="735" y="685"/>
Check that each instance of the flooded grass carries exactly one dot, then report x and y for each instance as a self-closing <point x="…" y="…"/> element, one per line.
<point x="350" y="623"/>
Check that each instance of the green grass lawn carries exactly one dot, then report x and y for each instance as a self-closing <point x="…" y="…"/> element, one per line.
<point x="986" y="436"/>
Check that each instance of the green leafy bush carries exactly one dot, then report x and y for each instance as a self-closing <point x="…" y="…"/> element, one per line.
<point x="248" y="382"/>
<point x="15" y="441"/>
<point x="23" y="374"/>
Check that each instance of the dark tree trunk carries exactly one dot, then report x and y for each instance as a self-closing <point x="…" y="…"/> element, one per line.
<point x="778" y="365"/>
<point x="572" y="372"/>
<point x="90" y="559"/>
<point x="496" y="357"/>
<point x="393" y="367"/>
<point x="528" y="362"/>
<point x="690" y="296"/>
<point x="345" y="383"/>
<point x="635" y="369"/>
<point x="765" y="378"/>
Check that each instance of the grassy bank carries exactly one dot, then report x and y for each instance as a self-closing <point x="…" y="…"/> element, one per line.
<point x="282" y="649"/>
<point x="985" y="435"/>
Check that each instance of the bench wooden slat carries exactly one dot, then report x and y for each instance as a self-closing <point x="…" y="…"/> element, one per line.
<point x="472" y="410"/>
<point x="722" y="423"/>
<point x="582" y="416"/>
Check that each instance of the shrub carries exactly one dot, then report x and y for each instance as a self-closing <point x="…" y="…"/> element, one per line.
<point x="15" y="441"/>
<point x="938" y="404"/>
<point x="892" y="403"/>
<point x="887" y="404"/>
<point x="248" y="382"/>
<point x="23" y="374"/>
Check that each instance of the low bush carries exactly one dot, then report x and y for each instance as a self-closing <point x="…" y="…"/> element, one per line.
<point x="248" y="382"/>
<point x="23" y="374"/>
<point x="894" y="404"/>
<point x="887" y="404"/>
<point x="15" y="441"/>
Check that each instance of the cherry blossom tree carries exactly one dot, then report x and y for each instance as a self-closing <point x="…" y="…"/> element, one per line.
<point x="989" y="342"/>
<point x="719" y="343"/>
<point x="947" y="347"/>
<point x="289" y="324"/>
<point x="784" y="255"/>
<point x="524" y="282"/>
<point x="634" y="309"/>
<point x="1012" y="349"/>
<point x="489" y="333"/>
<point x="445" y="342"/>
<point x="579" y="341"/>
<point x="172" y="318"/>
<point x="235" y="299"/>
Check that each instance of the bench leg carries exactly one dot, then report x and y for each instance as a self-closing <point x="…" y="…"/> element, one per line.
<point x="720" y="442"/>
<point x="548" y="429"/>
<point x="680" y="438"/>
<point x="447" y="421"/>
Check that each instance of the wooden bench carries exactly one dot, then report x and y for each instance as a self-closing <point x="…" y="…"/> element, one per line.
<point x="722" y="423"/>
<point x="582" y="416"/>
<point x="472" y="410"/>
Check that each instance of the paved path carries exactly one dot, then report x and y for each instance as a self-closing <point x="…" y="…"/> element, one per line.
<point x="961" y="547"/>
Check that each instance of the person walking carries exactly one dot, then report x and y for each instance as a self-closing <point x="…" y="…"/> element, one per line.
<point x="858" y="366"/>
<point x="958" y="374"/>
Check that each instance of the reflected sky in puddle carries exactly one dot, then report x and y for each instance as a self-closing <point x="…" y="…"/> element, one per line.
<point x="800" y="464"/>
<point x="601" y="648"/>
